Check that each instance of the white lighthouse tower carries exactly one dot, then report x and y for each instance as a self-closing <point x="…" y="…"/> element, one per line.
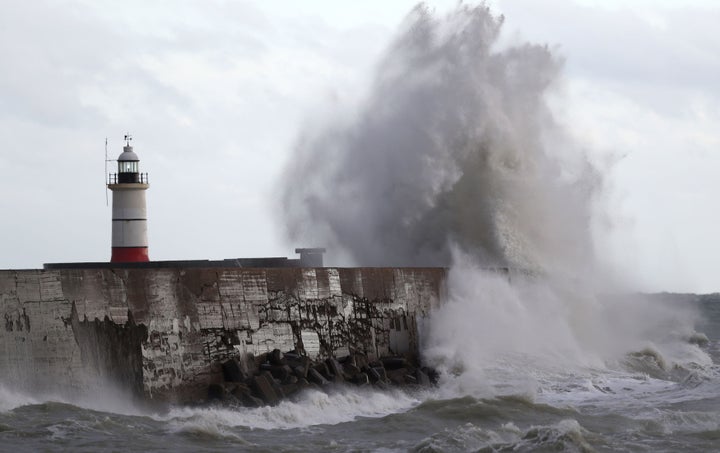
<point x="129" y="211"/>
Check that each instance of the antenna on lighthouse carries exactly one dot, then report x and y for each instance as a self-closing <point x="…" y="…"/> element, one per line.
<point x="106" y="174"/>
<point x="107" y="177"/>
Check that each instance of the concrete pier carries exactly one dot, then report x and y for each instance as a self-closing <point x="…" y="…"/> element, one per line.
<point x="163" y="333"/>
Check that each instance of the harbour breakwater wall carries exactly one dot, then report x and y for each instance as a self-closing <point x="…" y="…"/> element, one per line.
<point x="163" y="334"/>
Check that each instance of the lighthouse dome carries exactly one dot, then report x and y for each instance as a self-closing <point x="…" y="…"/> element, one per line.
<point x="128" y="154"/>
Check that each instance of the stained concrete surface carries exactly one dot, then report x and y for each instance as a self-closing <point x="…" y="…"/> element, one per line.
<point x="162" y="334"/>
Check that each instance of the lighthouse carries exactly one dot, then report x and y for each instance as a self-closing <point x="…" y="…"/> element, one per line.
<point x="129" y="211"/>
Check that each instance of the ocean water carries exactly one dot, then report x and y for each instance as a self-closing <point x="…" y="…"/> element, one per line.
<point x="664" y="397"/>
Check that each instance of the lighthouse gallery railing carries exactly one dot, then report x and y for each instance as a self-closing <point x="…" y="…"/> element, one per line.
<point x="124" y="178"/>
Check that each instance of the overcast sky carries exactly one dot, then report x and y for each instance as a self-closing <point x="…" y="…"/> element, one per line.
<point x="215" y="94"/>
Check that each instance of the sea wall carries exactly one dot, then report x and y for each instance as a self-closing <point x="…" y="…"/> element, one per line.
<point x="162" y="334"/>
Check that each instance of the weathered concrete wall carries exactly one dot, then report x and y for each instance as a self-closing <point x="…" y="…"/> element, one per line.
<point x="163" y="333"/>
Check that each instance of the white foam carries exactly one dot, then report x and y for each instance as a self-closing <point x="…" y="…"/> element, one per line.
<point x="519" y="335"/>
<point x="312" y="408"/>
<point x="670" y="421"/>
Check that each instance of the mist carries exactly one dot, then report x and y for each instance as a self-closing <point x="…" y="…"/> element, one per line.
<point x="454" y="146"/>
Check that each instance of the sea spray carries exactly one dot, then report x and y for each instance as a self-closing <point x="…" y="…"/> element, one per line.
<point x="454" y="158"/>
<point x="11" y="399"/>
<point x="449" y="148"/>
<point x="511" y="334"/>
<point x="105" y="397"/>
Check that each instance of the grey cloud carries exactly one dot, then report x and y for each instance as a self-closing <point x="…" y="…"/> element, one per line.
<point x="619" y="45"/>
<point x="54" y="54"/>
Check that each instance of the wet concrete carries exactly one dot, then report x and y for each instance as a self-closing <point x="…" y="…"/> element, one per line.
<point x="163" y="334"/>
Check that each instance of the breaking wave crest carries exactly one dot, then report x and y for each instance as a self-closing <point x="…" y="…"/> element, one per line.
<point x="566" y="435"/>
<point x="311" y="408"/>
<point x="502" y="334"/>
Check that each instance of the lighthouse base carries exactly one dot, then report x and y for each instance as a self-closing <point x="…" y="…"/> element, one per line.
<point x="129" y="254"/>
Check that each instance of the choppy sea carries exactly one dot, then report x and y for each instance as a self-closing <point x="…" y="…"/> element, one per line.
<point x="646" y="401"/>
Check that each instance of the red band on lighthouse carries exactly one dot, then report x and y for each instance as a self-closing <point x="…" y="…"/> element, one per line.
<point x="129" y="254"/>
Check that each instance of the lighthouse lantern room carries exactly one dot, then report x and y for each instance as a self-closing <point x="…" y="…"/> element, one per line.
<point x="129" y="211"/>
